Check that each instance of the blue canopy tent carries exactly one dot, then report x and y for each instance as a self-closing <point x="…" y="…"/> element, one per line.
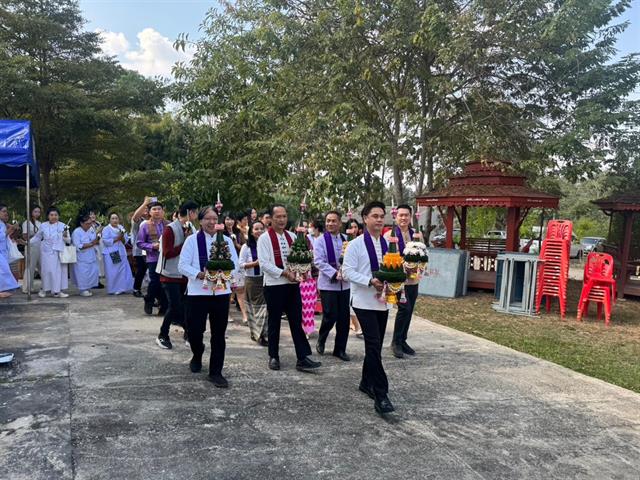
<point x="18" y="166"/>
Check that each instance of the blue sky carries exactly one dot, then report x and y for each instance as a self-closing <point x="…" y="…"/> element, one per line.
<point x="140" y="32"/>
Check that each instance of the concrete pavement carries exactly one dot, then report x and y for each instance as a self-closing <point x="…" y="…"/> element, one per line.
<point x="91" y="396"/>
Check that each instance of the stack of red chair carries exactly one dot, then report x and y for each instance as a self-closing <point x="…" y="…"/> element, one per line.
<point x="553" y="273"/>
<point x="598" y="285"/>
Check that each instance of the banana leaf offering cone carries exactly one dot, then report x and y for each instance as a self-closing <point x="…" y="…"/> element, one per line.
<point x="415" y="258"/>
<point x="392" y="272"/>
<point x="300" y="257"/>
<point x="219" y="267"/>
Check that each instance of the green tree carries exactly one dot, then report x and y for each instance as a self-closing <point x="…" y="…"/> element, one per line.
<point x="81" y="103"/>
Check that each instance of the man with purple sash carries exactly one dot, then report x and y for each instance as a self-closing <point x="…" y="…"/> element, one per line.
<point x="334" y="290"/>
<point x="206" y="302"/>
<point x="361" y="260"/>
<point x="404" y="234"/>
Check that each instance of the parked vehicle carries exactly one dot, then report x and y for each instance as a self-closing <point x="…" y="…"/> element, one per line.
<point x="576" y="250"/>
<point x="590" y="244"/>
<point x="496" y="234"/>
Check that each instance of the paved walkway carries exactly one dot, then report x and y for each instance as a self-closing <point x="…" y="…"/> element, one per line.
<point x="91" y="396"/>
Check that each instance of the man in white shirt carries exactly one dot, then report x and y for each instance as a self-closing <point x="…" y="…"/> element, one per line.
<point x="281" y="291"/>
<point x="362" y="258"/>
<point x="203" y="303"/>
<point x="404" y="233"/>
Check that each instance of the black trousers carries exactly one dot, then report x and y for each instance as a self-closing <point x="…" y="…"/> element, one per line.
<point x="285" y="299"/>
<point x="404" y="314"/>
<point x="216" y="307"/>
<point x="335" y="311"/>
<point x="141" y="269"/>
<point x="155" y="287"/>
<point x="175" y="306"/>
<point x="374" y="324"/>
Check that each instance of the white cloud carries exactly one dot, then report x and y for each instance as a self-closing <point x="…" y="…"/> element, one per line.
<point x="113" y="44"/>
<point x="153" y="55"/>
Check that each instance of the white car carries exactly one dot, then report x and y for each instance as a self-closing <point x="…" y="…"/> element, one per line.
<point x="496" y="234"/>
<point x="575" y="252"/>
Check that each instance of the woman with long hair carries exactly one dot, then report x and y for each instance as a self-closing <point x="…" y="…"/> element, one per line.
<point x="52" y="237"/>
<point x="255" y="305"/>
<point x="29" y="228"/>
<point x="116" y="266"/>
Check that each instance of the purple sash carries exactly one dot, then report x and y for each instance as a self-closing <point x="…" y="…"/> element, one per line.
<point x="371" y="250"/>
<point x="202" y="250"/>
<point x="331" y="252"/>
<point x="401" y="238"/>
<point x="254" y="257"/>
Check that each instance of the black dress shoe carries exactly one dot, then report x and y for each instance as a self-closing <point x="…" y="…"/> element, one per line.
<point x="263" y="342"/>
<point x="195" y="365"/>
<point x="397" y="350"/>
<point x="148" y="308"/>
<point x="342" y="356"/>
<point x="100" y="285"/>
<point x="320" y="348"/>
<point x="407" y="349"/>
<point x="137" y="294"/>
<point x="274" y="364"/>
<point x="368" y="390"/>
<point x="384" y="405"/>
<point x="306" y="364"/>
<point x="218" y="381"/>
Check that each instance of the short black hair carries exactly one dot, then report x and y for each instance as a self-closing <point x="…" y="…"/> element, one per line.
<point x="2" y="205"/>
<point x="405" y="206"/>
<point x="332" y="212"/>
<point x="186" y="207"/>
<point x="371" y="205"/>
<point x="264" y="212"/>
<point x="52" y="209"/>
<point x="274" y="206"/>
<point x="154" y="204"/>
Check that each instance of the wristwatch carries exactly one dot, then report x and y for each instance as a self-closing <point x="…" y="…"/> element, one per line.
<point x="370" y="282"/>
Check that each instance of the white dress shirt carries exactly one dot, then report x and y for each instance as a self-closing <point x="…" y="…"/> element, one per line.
<point x="271" y="273"/>
<point x="356" y="268"/>
<point x="189" y="264"/>
<point x="244" y="258"/>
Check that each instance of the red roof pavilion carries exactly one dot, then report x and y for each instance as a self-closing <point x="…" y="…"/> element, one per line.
<point x="487" y="184"/>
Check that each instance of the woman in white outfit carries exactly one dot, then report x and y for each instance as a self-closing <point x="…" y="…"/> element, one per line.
<point x="85" y="271"/>
<point x="30" y="228"/>
<point x="116" y="265"/>
<point x="52" y="237"/>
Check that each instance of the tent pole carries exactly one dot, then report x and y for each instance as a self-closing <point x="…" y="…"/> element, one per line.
<point x="27" y="260"/>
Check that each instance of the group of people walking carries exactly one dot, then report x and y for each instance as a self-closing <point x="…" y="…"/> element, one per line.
<point x="266" y="289"/>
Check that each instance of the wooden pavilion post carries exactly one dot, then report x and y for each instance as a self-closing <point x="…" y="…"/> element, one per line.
<point x="625" y="251"/>
<point x="463" y="228"/>
<point x="449" y="226"/>
<point x="513" y="229"/>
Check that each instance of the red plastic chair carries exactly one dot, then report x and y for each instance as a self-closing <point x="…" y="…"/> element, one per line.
<point x="598" y="285"/>
<point x="553" y="274"/>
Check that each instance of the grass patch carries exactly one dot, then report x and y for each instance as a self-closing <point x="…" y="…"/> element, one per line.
<point x="609" y="353"/>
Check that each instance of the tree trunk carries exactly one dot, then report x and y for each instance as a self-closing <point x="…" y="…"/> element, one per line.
<point x="396" y="164"/>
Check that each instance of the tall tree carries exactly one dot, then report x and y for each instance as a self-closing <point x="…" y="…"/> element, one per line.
<point x="80" y="102"/>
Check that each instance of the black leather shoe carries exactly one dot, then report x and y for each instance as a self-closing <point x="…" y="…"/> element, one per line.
<point x="307" y="364"/>
<point x="100" y="285"/>
<point x="368" y="390"/>
<point x="320" y="348"/>
<point x="407" y="349"/>
<point x="137" y="294"/>
<point x="218" y="381"/>
<point x="384" y="405"/>
<point x="195" y="365"/>
<point x="263" y="342"/>
<point x="274" y="364"/>
<point x="342" y="356"/>
<point x="397" y="350"/>
<point x="148" y="308"/>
